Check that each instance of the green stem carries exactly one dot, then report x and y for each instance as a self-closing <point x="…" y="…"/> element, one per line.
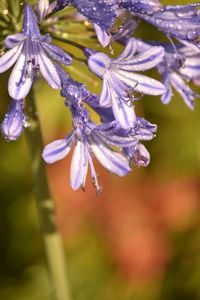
<point x="51" y="238"/>
<point x="69" y="42"/>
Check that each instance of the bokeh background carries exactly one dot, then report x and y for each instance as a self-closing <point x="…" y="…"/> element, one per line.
<point x="140" y="239"/>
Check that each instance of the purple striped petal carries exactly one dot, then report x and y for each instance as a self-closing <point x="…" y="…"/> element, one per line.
<point x="123" y="111"/>
<point x="141" y="62"/>
<point x="103" y="37"/>
<point x="105" y="98"/>
<point x="79" y="166"/>
<point x="14" y="39"/>
<point x="58" y="54"/>
<point x="167" y="96"/>
<point x="111" y="160"/>
<point x="9" y="58"/>
<point x="48" y="69"/>
<point x="30" y="26"/>
<point x="57" y="150"/>
<point x="99" y="63"/>
<point x="141" y="83"/>
<point x="128" y="51"/>
<point x="115" y="140"/>
<point x="19" y="82"/>
<point x="183" y="89"/>
<point x="191" y="68"/>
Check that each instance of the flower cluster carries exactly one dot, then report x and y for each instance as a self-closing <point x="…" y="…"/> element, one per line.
<point x="117" y="141"/>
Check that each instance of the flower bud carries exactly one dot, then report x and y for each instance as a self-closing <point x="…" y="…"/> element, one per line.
<point x="141" y="156"/>
<point x="14" y="121"/>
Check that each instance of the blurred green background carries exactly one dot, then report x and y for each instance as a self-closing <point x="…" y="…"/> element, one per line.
<point x="139" y="240"/>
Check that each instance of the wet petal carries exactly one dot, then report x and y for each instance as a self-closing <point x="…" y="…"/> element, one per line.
<point x="99" y="63"/>
<point x="123" y="111"/>
<point x="141" y="62"/>
<point x="183" y="89"/>
<point x="191" y="68"/>
<point x="48" y="69"/>
<point x="30" y="26"/>
<point x="103" y="37"/>
<point x="79" y="166"/>
<point x="110" y="159"/>
<point x="14" y="40"/>
<point x="167" y="96"/>
<point x="105" y="98"/>
<point x="9" y="58"/>
<point x="58" y="54"/>
<point x="19" y="82"/>
<point x="141" y="83"/>
<point x="128" y="51"/>
<point x="115" y="140"/>
<point x="57" y="150"/>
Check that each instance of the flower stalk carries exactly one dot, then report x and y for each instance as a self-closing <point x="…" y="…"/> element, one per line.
<point x="51" y="237"/>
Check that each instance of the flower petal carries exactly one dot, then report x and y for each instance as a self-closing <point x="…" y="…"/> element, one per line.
<point x="79" y="166"/>
<point x="183" y="89"/>
<point x="191" y="68"/>
<point x="105" y="98"/>
<point x="167" y="96"/>
<point x="110" y="159"/>
<point x="128" y="51"/>
<point x="48" y="69"/>
<point x="58" y="54"/>
<point x="141" y="83"/>
<point x="115" y="140"/>
<point x="143" y="61"/>
<point x="9" y="58"/>
<point x="30" y="26"/>
<point x="57" y="150"/>
<point x="103" y="37"/>
<point x="123" y="111"/>
<point x="14" y="39"/>
<point x="19" y="82"/>
<point x="99" y="63"/>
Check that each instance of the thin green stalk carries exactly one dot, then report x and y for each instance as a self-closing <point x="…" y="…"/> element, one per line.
<point x="51" y="238"/>
<point x="69" y="42"/>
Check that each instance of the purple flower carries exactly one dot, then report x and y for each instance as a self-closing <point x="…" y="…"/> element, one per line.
<point x="177" y="67"/>
<point x="14" y="121"/>
<point x="180" y="21"/>
<point x="147" y="7"/>
<point x="89" y="138"/>
<point x="103" y="36"/>
<point x="119" y="82"/>
<point x="32" y="51"/>
<point x="138" y="155"/>
<point x="102" y="13"/>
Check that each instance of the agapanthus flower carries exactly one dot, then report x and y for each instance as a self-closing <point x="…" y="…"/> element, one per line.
<point x="179" y="21"/>
<point x="118" y="79"/>
<point x="32" y="51"/>
<point x="104" y="37"/>
<point x="191" y="66"/>
<point x="14" y="121"/>
<point x="180" y="64"/>
<point x="100" y="12"/>
<point x="147" y="7"/>
<point x="89" y="138"/>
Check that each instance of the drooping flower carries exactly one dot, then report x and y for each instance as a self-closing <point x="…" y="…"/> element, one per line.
<point x="89" y="138"/>
<point x="103" y="36"/>
<point x="14" y="121"/>
<point x="100" y="12"/>
<point x="32" y="51"/>
<point x="146" y="7"/>
<point x="179" y="21"/>
<point x="118" y="79"/>
<point x="180" y="64"/>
